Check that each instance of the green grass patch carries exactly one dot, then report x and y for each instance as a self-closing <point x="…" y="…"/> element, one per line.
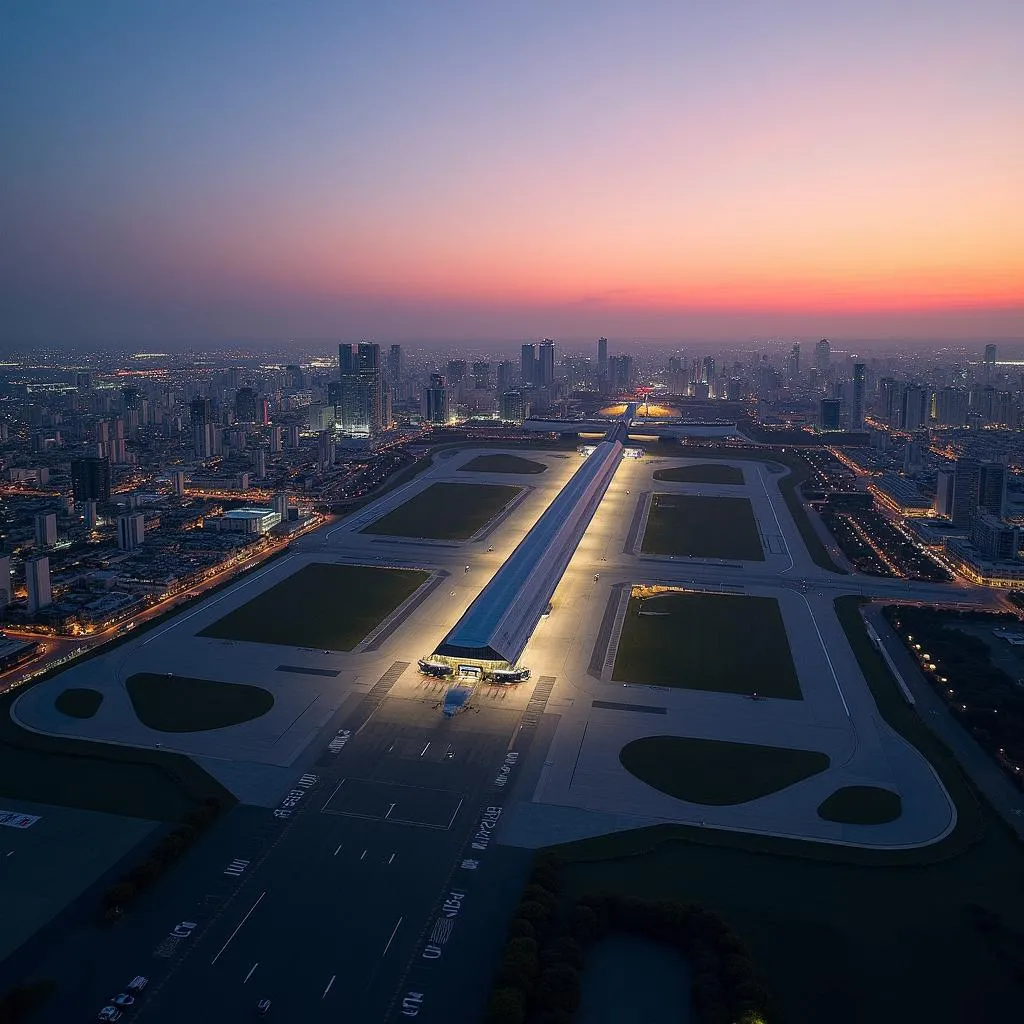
<point x="323" y="605"/>
<point x="715" y="772"/>
<point x="445" y="511"/>
<point x="711" y="473"/>
<point x="862" y="805"/>
<point x="799" y="472"/>
<point x="180" y="704"/>
<point x="77" y="702"/>
<point x="501" y="463"/>
<point x="728" y="643"/>
<point x="702" y="527"/>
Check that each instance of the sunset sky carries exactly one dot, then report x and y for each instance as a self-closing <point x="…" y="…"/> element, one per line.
<point x="261" y="169"/>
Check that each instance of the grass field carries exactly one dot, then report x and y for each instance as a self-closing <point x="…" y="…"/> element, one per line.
<point x="788" y="486"/>
<point x="702" y="527"/>
<point x="848" y="935"/>
<point x="445" y="511"/>
<point x="78" y="703"/>
<point x="501" y="463"/>
<point x="710" y="473"/>
<point x="328" y="606"/>
<point x="862" y="805"/>
<point x="723" y="642"/>
<point x="717" y="773"/>
<point x="180" y="704"/>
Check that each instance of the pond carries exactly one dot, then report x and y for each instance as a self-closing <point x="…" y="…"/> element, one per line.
<point x="632" y="980"/>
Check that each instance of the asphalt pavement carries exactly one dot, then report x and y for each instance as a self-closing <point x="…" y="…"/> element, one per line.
<point x="340" y="903"/>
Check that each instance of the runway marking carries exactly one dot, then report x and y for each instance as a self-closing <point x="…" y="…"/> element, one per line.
<point x="425" y="749"/>
<point x="238" y="928"/>
<point x="389" y="810"/>
<point x="391" y="858"/>
<point x="251" y="969"/>
<point x="329" y="984"/>
<point x="394" y="932"/>
<point x="236" y="867"/>
<point x="338" y="850"/>
<point x="824" y="650"/>
<point x="364" y="854"/>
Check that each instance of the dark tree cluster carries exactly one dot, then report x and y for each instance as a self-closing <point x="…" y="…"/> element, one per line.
<point x="124" y="892"/>
<point x="539" y="979"/>
<point x="984" y="698"/>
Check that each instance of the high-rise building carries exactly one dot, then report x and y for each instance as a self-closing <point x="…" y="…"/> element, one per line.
<point x="281" y="506"/>
<point x="131" y="530"/>
<point x="482" y="376"/>
<point x="6" y="589"/>
<point x="434" y="405"/>
<point x="951" y="407"/>
<point x="515" y="406"/>
<point x="293" y="436"/>
<point x="620" y="373"/>
<point x="822" y="356"/>
<point x="92" y="515"/>
<point x="990" y="363"/>
<point x="994" y="539"/>
<point x="360" y="410"/>
<point x="46" y="529"/>
<point x="261" y="462"/>
<point x="857" y="398"/>
<point x="325" y="450"/>
<point x="914" y="408"/>
<point x="707" y="373"/>
<point x="37" y="580"/>
<point x="966" y="478"/>
<point x="245" y="405"/>
<point x="456" y="372"/>
<point x="90" y="479"/>
<point x="545" y="368"/>
<point x="178" y="482"/>
<point x="506" y="375"/>
<point x="602" y="359"/>
<point x="992" y="488"/>
<point x="200" y="411"/>
<point x="275" y="440"/>
<point x="830" y="413"/>
<point x="394" y="364"/>
<point x="527" y="365"/>
<point x="294" y="377"/>
<point x="793" y="362"/>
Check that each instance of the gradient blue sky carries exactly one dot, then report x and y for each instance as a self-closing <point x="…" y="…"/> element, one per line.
<point x="182" y="172"/>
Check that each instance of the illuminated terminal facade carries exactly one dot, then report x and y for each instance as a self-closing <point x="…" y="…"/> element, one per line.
<point x="489" y="639"/>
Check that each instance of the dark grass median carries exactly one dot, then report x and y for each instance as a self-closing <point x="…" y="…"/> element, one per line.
<point x="717" y="773"/>
<point x="445" y="511"/>
<point x="502" y="463"/>
<point x="723" y="642"/>
<point x="322" y="605"/>
<point x="711" y="473"/>
<point x="170" y="703"/>
<point x="702" y="527"/>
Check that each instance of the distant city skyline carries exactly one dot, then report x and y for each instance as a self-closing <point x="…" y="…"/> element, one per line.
<point x="197" y="173"/>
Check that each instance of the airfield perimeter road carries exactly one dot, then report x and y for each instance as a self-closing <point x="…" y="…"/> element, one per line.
<point x="354" y="904"/>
